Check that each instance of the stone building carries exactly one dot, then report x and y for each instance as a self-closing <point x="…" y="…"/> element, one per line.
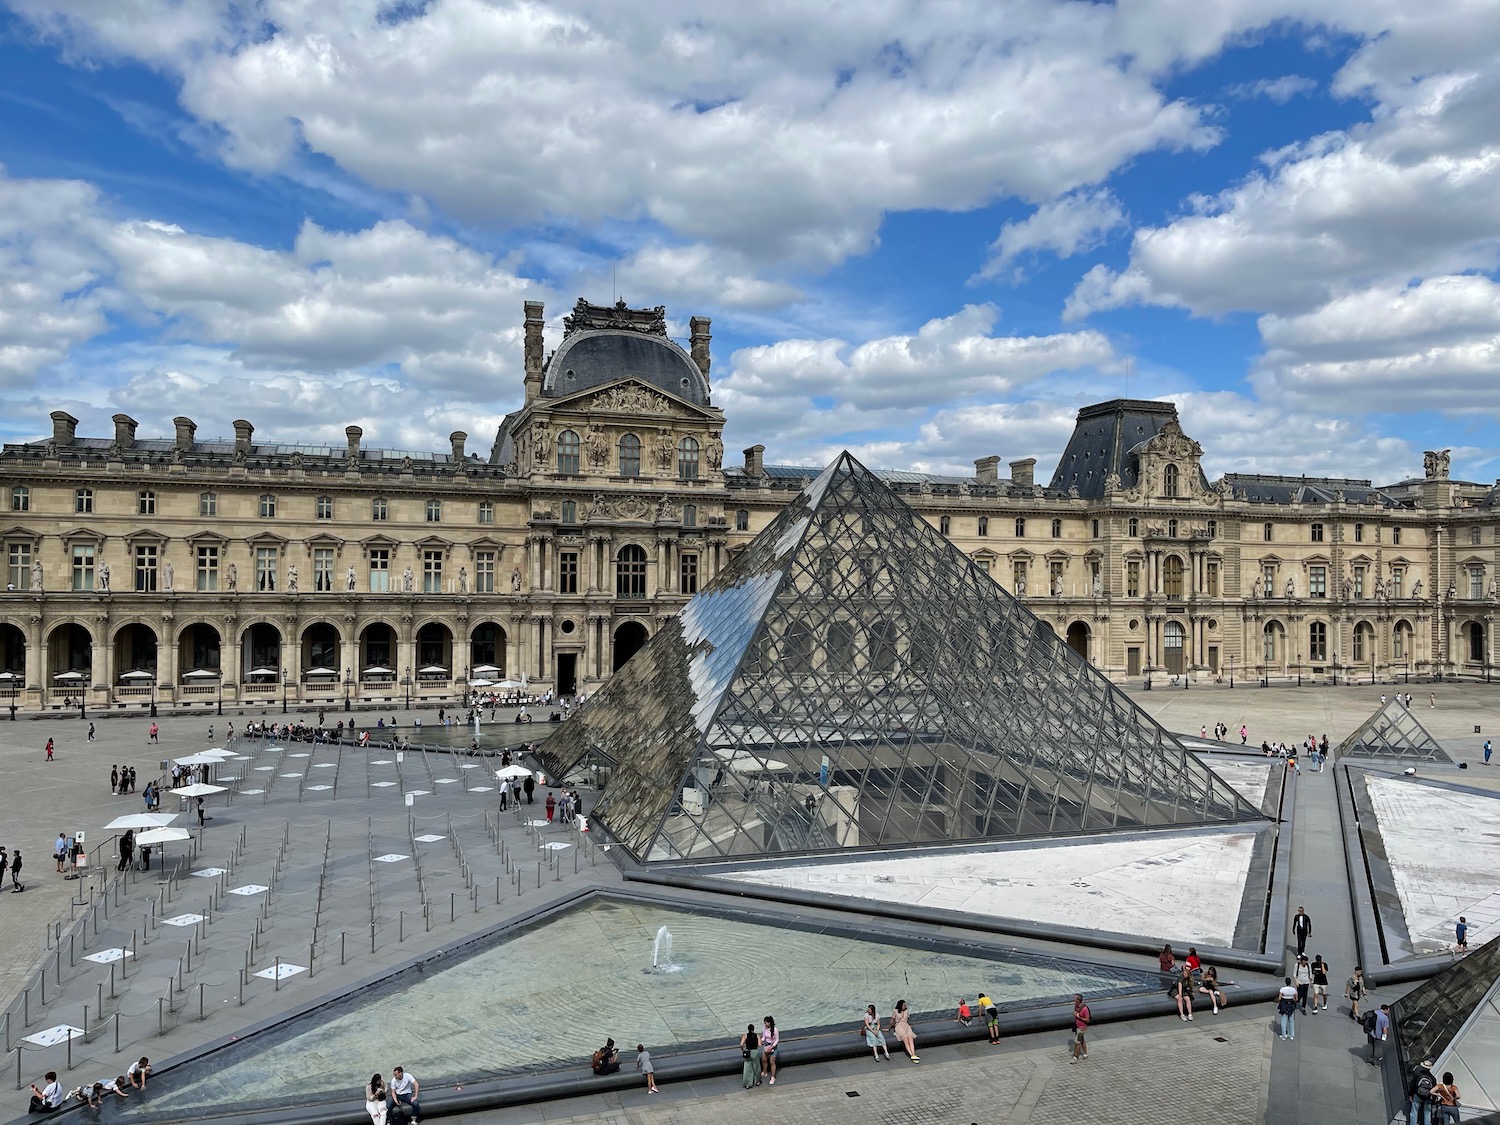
<point x="145" y="570"/>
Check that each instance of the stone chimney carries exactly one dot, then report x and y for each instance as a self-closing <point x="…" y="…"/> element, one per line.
<point x="352" y="434"/>
<point x="125" y="430"/>
<point x="457" y="439"/>
<point x="187" y="429"/>
<point x="533" y="353"/>
<point x="1023" y="472"/>
<point x="64" y="427"/>
<point x="700" y="338"/>
<point x="755" y="462"/>
<point x="242" y="433"/>
<point x="987" y="470"/>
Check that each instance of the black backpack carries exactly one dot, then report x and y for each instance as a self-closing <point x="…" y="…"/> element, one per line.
<point x="1367" y="1021"/>
<point x="1425" y="1083"/>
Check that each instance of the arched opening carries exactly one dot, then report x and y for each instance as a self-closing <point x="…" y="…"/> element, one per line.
<point x="1171" y="577"/>
<point x="322" y="653"/>
<point x="70" y="656"/>
<point x="630" y="572"/>
<point x="797" y="647"/>
<point x="198" y="650"/>
<point x="260" y="653"/>
<point x="1474" y="635"/>
<point x="1272" y="643"/>
<point x="840" y="647"/>
<point x="629" y="640"/>
<point x="567" y="452"/>
<point x="135" y="655"/>
<point x="1078" y="638"/>
<point x="1170" y="481"/>
<point x="487" y="652"/>
<point x="1317" y="642"/>
<point x="883" y="646"/>
<point x="1402" y="648"/>
<point x="1174" y="639"/>
<point x="1364" y="644"/>
<point x="630" y="456"/>
<point x="13" y="656"/>
<point x="687" y="459"/>
<point x="377" y="652"/>
<point x="434" y="652"/>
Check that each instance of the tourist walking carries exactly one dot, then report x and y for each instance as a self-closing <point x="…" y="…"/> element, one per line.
<point x="530" y="786"/>
<point x="770" y="1039"/>
<point x="1082" y="1017"/>
<point x="127" y="849"/>
<point x="551" y="807"/>
<point x="49" y="750"/>
<point x="114" y="779"/>
<point x="1378" y="1028"/>
<point x="1319" y="984"/>
<point x="901" y="1028"/>
<point x="1301" y="929"/>
<point x="1244" y="734"/>
<point x="130" y="777"/>
<point x="644" y="1065"/>
<point x="154" y="732"/>
<point x="874" y="1035"/>
<point x="16" y="886"/>
<point x="91" y="732"/>
<point x="1302" y="975"/>
<point x="1461" y="936"/>
<point x="1286" y="1008"/>
<point x="1354" y="991"/>
<point x="750" y="1052"/>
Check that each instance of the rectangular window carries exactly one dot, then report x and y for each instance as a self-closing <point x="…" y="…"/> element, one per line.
<point x="1475" y="536"/>
<point x="1057" y="529"/>
<point x="380" y="508"/>
<point x="1317" y="642"/>
<point x="1054" y="576"/>
<point x="268" y="507"/>
<point x="1135" y="526"/>
<point x="145" y="569"/>
<point x="1359" y="582"/>
<point x="83" y="501"/>
<point x="1094" y="529"/>
<point x="265" y="568"/>
<point x="944" y="524"/>
<point x="484" y="572"/>
<point x="1020" y="528"/>
<point x="984" y="564"/>
<point x="486" y="511"/>
<point x="208" y="569"/>
<point x="434" y="511"/>
<point x="1396" y="536"/>
<point x="1268" y="576"/>
<point x="323" y="570"/>
<point x="1211" y="573"/>
<point x="1213" y="529"/>
<point x="324" y="508"/>
<point x="18" y="577"/>
<point x="1018" y="576"/>
<point x="1317" y="533"/>
<point x="20" y="499"/>
<point x="690" y="515"/>
<point x="145" y="503"/>
<point x="1317" y="581"/>
<point x="380" y="570"/>
<point x="983" y="527"/>
<point x="687" y="573"/>
<point x="83" y="566"/>
<point x="1132" y="580"/>
<point x="1359" y="533"/>
<point x="432" y="572"/>
<point x="208" y="503"/>
<point x="567" y="572"/>
<point x="1266" y="531"/>
<point x="742" y="520"/>
<point x="1476" y="581"/>
<point x="1398" y="576"/>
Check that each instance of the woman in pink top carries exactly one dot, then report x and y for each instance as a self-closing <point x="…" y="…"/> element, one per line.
<point x="901" y="1027"/>
<point x="770" y="1039"/>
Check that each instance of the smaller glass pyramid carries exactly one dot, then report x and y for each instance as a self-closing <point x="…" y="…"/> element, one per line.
<point x="1393" y="732"/>
<point x="1454" y="1019"/>
<point x="852" y="680"/>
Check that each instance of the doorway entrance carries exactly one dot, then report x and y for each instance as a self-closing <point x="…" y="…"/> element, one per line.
<point x="567" y="673"/>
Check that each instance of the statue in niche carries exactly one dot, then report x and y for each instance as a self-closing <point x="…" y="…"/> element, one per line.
<point x="665" y="449"/>
<point x="36" y="575"/>
<point x="291" y="579"/>
<point x="349" y="580"/>
<point x="1416" y="590"/>
<point x="1098" y="584"/>
<point x="715" y="449"/>
<point x="1291" y="588"/>
<point x="1021" y="586"/>
<point x="166" y="576"/>
<point x="515" y="580"/>
<point x="463" y="580"/>
<point x="103" y="581"/>
<point x="1452" y="591"/>
<point x="408" y="582"/>
<point x="1348" y="588"/>
<point x="541" y="443"/>
<point x="1255" y="587"/>
<point x="597" y="446"/>
<point x="1380" y="589"/>
<point x="1057" y="585"/>
<point x="232" y="578"/>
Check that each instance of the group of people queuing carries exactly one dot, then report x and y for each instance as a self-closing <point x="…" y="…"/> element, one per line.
<point x="563" y="806"/>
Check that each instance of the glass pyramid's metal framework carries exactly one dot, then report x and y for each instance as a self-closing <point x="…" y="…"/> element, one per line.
<point x="1393" y="732"/>
<point x="1454" y="1019"/>
<point x="852" y="680"/>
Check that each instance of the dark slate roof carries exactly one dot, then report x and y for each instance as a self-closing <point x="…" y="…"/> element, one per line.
<point x="903" y="481"/>
<point x="592" y="358"/>
<point x="1103" y="440"/>
<point x="1257" y="488"/>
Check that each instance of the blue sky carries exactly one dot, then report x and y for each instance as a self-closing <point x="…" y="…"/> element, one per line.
<point x="924" y="233"/>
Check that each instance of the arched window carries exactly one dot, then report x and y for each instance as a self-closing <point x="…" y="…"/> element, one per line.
<point x="567" y="452"/>
<point x="840" y="647"/>
<point x="883" y="646"/>
<point x="1169" y="481"/>
<point x="1173" y="638"/>
<point x="797" y="647"/>
<point x="1317" y="642"/>
<point x="630" y="572"/>
<point x="1364" y="643"/>
<point x="1171" y="577"/>
<point x="1401" y="648"/>
<point x="687" y="459"/>
<point x="689" y="515"/>
<point x="630" y="456"/>
<point x="1269" y="643"/>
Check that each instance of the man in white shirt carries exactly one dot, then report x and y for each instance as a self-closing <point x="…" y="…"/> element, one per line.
<point x="403" y="1090"/>
<point x="47" y="1098"/>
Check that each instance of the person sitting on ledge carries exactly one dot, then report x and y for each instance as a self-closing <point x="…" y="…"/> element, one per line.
<point x="606" y="1059"/>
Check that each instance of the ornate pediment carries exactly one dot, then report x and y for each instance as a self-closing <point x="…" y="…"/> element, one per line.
<point x="631" y="397"/>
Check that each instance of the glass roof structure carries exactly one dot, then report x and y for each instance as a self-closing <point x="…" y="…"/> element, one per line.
<point x="1454" y="1019"/>
<point x="852" y="680"/>
<point x="1393" y="732"/>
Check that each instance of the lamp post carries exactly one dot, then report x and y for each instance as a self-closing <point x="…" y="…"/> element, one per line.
<point x="1231" y="673"/>
<point x="1299" y="669"/>
<point x="406" y="683"/>
<point x="219" y="710"/>
<point x="1335" y="669"/>
<point x="1148" y="675"/>
<point x="153" y="697"/>
<point x="283" y="691"/>
<point x="347" y="681"/>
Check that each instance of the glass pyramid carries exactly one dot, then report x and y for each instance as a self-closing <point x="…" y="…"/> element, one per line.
<point x="852" y="680"/>
<point x="1454" y="1019"/>
<point x="1393" y="732"/>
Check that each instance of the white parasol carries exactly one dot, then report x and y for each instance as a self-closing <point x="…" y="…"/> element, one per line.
<point x="513" y="771"/>
<point x="162" y="836"/>
<point x="140" y="820"/>
<point x="199" y="789"/>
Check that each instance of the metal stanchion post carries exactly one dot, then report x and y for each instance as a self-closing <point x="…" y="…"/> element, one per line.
<point x="278" y="973"/>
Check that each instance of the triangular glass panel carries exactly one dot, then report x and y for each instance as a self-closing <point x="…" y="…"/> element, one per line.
<point x="852" y="680"/>
<point x="1452" y="1019"/>
<point x="1393" y="732"/>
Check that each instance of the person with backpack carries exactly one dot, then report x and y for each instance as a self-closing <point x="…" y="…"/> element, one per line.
<point x="1419" y="1092"/>
<point x="1319" y="984"/>
<point x="1377" y="1025"/>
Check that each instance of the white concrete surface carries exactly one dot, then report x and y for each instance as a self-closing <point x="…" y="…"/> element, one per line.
<point x="1247" y="778"/>
<point x="1183" y="888"/>
<point x="1444" y="850"/>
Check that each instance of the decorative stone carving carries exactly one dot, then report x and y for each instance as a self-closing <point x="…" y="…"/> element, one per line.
<point x="541" y="443"/>
<point x="715" y="449"/>
<point x="36" y="575"/>
<point x="406" y="464"/>
<point x="515" y="580"/>
<point x="633" y="508"/>
<point x="1416" y="589"/>
<point x="349" y="580"/>
<point x="232" y="578"/>
<point x="1291" y="588"/>
<point x="291" y="579"/>
<point x="664" y="448"/>
<point x="1435" y="464"/>
<point x="1112" y="482"/>
<point x="1057" y="585"/>
<point x="1072" y="492"/>
<point x="596" y="445"/>
<point x="463" y="580"/>
<point x="599" y="507"/>
<point x="166" y="576"/>
<point x="630" y="398"/>
<point x="1255" y="587"/>
<point x="1021" y="587"/>
<point x="652" y="321"/>
<point x="663" y="508"/>
<point x="408" y="582"/>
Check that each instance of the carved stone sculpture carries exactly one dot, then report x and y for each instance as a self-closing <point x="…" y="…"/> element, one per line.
<point x="597" y="446"/>
<point x="541" y="443"/>
<point x="291" y="579"/>
<point x="715" y="451"/>
<point x="232" y="578"/>
<point x="665" y="449"/>
<point x="1416" y="590"/>
<point x="36" y="575"/>
<point x="1291" y="588"/>
<point x="1057" y="585"/>
<point x="349" y="580"/>
<point x="408" y="582"/>
<point x="515" y="580"/>
<point x="1020" y="587"/>
<point x="463" y="580"/>
<point x="1255" y="587"/>
<point x="166" y="576"/>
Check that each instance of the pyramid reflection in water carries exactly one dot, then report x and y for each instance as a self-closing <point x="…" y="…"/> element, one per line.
<point x="852" y="680"/>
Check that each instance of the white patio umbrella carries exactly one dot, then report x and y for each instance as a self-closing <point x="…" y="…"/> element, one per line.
<point x="377" y="670"/>
<point x="755" y="765"/>
<point x="10" y="677"/>
<point x="264" y="672"/>
<point x="321" y="672"/>
<point x="513" y="771"/>
<point x="218" y="752"/>
<point x="201" y="674"/>
<point x="511" y="684"/>
<point x="432" y="670"/>
<point x="484" y="669"/>
<point x="138" y="674"/>
<point x="162" y="836"/>
<point x="204" y="759"/>
<point x="68" y="676"/>
<point x="481" y="683"/>
<point x="140" y="820"/>
<point x="199" y="789"/>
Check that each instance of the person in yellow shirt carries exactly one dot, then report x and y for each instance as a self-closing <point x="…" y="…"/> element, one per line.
<point x="991" y="1016"/>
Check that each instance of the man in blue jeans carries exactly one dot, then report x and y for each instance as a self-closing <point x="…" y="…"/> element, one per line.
<point x="403" y="1091"/>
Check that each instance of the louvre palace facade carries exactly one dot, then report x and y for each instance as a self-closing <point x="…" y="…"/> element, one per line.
<point x="146" y="570"/>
